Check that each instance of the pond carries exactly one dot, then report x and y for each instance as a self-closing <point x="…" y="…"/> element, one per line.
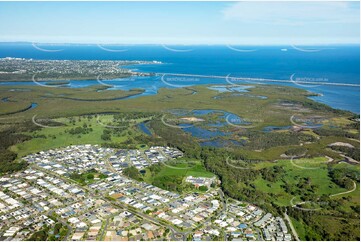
<point x="275" y="128"/>
<point x="202" y="133"/>
<point x="144" y="128"/>
<point x="33" y="105"/>
<point x="210" y="131"/>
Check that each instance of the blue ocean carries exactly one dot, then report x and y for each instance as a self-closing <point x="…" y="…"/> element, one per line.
<point x="339" y="63"/>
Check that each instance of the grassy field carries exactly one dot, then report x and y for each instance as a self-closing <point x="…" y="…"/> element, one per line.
<point x="299" y="228"/>
<point x="180" y="168"/>
<point x="196" y="170"/>
<point x="335" y="225"/>
<point x="87" y="177"/>
<point x="54" y="137"/>
<point x="318" y="177"/>
<point x="310" y="163"/>
<point x="355" y="195"/>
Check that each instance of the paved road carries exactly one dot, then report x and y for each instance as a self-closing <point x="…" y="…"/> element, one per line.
<point x="259" y="234"/>
<point x="175" y="233"/>
<point x="104" y="229"/>
<point x="66" y="237"/>
<point x="224" y="208"/>
<point x="294" y="232"/>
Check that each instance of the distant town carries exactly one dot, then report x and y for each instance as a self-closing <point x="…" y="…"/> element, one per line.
<point x="81" y="193"/>
<point x="21" y="69"/>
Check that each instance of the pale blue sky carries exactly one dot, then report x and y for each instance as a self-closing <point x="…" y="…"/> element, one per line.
<point x="260" y="23"/>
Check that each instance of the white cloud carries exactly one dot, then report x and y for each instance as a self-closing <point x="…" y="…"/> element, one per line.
<point x="293" y="13"/>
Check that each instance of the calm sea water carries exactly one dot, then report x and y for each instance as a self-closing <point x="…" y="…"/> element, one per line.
<point x="331" y="64"/>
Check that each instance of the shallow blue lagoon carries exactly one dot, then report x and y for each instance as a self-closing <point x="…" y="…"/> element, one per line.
<point x="337" y="64"/>
<point x="144" y="128"/>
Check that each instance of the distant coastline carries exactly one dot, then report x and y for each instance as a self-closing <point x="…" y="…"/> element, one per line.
<point x="24" y="70"/>
<point x="339" y="64"/>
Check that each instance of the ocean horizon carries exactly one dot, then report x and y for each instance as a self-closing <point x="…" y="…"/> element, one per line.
<point x="326" y="63"/>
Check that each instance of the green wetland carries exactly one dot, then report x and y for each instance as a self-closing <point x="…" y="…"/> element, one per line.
<point x="273" y="147"/>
